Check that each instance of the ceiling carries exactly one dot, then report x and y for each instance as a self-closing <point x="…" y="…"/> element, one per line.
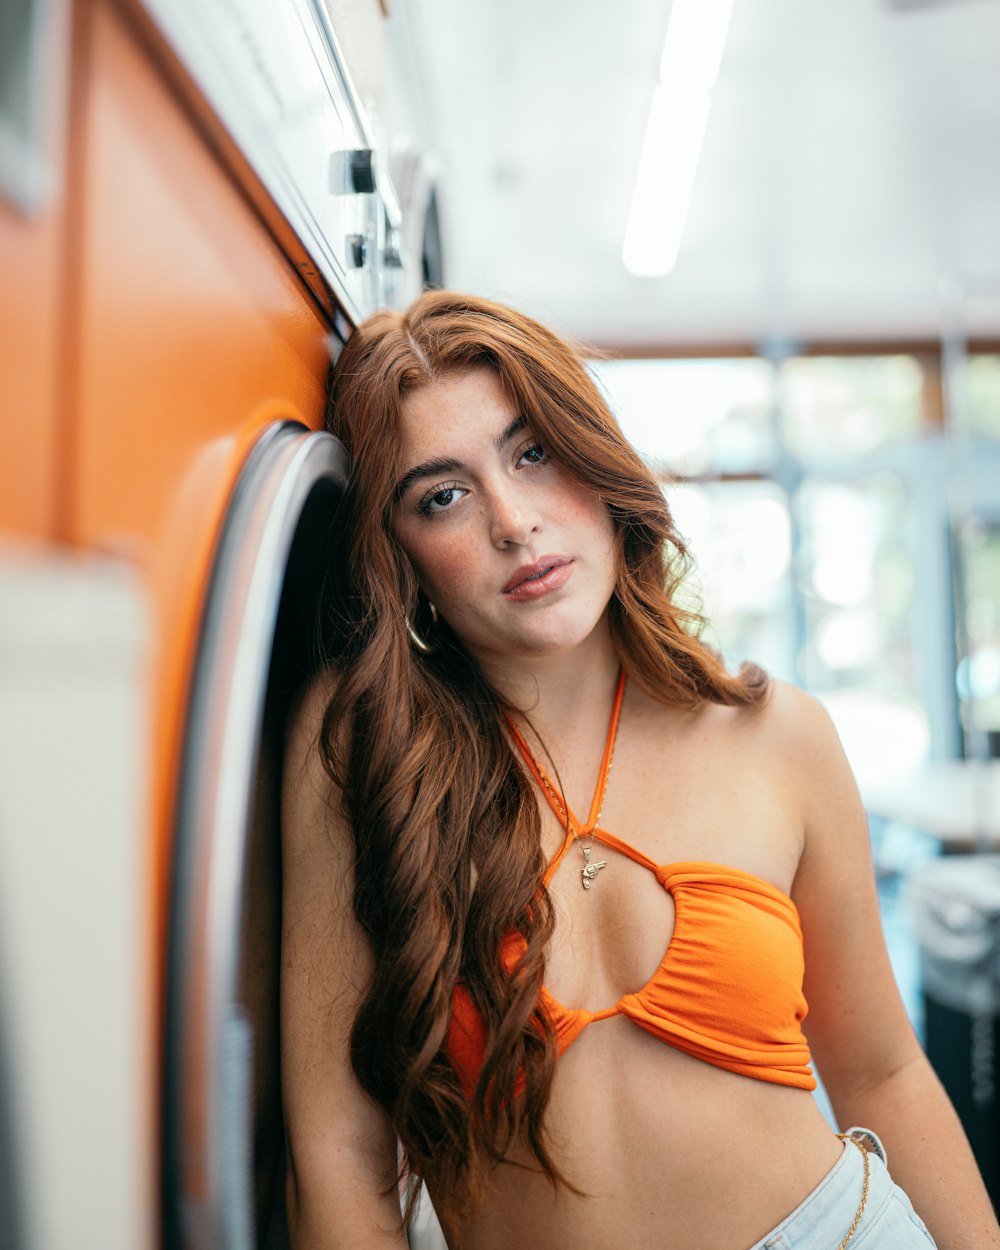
<point x="851" y="164"/>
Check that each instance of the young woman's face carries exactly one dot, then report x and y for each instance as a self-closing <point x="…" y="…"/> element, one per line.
<point x="515" y="552"/>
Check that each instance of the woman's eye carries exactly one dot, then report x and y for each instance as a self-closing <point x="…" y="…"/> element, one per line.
<point x="441" y="499"/>
<point x="534" y="454"/>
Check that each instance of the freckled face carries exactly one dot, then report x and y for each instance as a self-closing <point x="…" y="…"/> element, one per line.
<point x="513" y="550"/>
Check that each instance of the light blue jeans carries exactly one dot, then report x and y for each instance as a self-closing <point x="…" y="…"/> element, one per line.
<point x="822" y="1220"/>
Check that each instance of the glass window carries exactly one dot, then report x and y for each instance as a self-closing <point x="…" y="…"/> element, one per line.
<point x="839" y="406"/>
<point x="982" y="394"/>
<point x="855" y="577"/>
<point x="978" y="674"/>
<point x="821" y="588"/>
<point x="690" y="417"/>
<point x="740" y="537"/>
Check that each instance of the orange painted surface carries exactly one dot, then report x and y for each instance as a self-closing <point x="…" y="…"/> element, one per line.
<point x="194" y="333"/>
<point x="150" y="328"/>
<point x="34" y="316"/>
<point x="30" y="329"/>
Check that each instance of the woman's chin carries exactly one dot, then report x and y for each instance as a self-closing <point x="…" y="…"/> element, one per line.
<point x="536" y="644"/>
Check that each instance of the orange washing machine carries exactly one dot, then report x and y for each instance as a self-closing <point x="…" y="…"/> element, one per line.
<point x="194" y="213"/>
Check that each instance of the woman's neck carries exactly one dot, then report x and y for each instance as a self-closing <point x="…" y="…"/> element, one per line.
<point x="567" y="688"/>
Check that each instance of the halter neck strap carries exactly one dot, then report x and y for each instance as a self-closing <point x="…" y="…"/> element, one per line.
<point x="554" y="795"/>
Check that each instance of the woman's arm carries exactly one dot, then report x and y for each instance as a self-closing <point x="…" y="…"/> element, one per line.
<point x="342" y="1153"/>
<point x="872" y="1065"/>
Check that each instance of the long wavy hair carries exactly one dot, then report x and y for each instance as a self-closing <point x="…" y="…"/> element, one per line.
<point x="448" y="858"/>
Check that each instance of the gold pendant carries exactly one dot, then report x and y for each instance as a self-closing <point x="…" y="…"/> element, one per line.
<point x="590" y="871"/>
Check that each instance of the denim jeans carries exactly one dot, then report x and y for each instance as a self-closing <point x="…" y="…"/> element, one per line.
<point x="822" y="1220"/>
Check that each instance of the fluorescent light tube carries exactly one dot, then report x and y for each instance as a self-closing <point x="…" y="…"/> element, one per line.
<point x="667" y="166"/>
<point x="675" y="131"/>
<point x="694" y="43"/>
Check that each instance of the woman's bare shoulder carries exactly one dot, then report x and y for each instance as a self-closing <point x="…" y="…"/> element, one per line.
<point x="785" y="717"/>
<point x="308" y="708"/>
<point x="310" y="799"/>
<point x="797" y="741"/>
<point x="787" y="737"/>
<point x="799" y="723"/>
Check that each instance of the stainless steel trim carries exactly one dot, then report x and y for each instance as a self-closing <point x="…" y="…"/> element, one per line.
<point x="275" y="79"/>
<point x="208" y="1040"/>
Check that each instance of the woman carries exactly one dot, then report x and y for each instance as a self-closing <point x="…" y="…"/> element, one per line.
<point x="461" y="954"/>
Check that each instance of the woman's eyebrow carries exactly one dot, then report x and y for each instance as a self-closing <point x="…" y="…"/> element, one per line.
<point x="447" y="464"/>
<point x="515" y="427"/>
<point x="428" y="468"/>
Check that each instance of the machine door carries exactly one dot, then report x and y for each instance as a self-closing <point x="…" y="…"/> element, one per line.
<point x="223" y="1140"/>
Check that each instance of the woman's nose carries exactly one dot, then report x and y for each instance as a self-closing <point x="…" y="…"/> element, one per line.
<point x="513" y="517"/>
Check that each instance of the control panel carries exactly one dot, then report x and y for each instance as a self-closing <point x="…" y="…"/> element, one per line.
<point x="275" y="78"/>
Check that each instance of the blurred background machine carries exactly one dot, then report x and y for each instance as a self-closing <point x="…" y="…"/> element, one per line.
<point x="196" y="207"/>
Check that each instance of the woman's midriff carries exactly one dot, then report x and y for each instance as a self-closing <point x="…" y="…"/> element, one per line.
<point x="669" y="1152"/>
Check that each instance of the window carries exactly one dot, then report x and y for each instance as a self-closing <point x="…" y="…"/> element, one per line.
<point x="982" y="395"/>
<point x="691" y="417"/>
<point x="978" y="674"/>
<point x="798" y="487"/>
<point x="837" y="406"/>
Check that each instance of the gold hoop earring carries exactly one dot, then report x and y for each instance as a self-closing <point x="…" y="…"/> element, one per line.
<point x="421" y="644"/>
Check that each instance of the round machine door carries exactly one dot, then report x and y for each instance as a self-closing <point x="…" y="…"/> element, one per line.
<point x="223" y="1141"/>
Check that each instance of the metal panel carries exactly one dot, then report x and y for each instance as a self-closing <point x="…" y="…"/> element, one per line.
<point x="276" y="79"/>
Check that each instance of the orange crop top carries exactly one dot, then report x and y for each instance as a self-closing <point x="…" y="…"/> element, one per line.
<point x="729" y="987"/>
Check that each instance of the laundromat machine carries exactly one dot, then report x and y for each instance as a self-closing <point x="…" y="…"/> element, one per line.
<point x="196" y="209"/>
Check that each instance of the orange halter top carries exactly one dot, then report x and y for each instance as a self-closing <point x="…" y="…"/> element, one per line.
<point x="729" y="986"/>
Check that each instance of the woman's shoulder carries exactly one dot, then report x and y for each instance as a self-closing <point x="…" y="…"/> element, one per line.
<point x="782" y="710"/>
<point x="786" y="724"/>
<point x="787" y="733"/>
<point x="308" y="791"/>
<point x="795" y="721"/>
<point x="308" y="706"/>
<point x="792" y="737"/>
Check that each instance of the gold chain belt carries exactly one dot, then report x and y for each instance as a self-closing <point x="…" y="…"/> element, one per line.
<point x="864" y="1188"/>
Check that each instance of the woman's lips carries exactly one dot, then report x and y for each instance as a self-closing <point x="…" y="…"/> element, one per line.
<point x="531" y="581"/>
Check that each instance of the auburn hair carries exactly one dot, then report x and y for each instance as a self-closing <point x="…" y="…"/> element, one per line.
<point x="446" y="823"/>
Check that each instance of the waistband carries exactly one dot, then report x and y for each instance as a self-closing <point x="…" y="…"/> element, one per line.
<point x="833" y="1204"/>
